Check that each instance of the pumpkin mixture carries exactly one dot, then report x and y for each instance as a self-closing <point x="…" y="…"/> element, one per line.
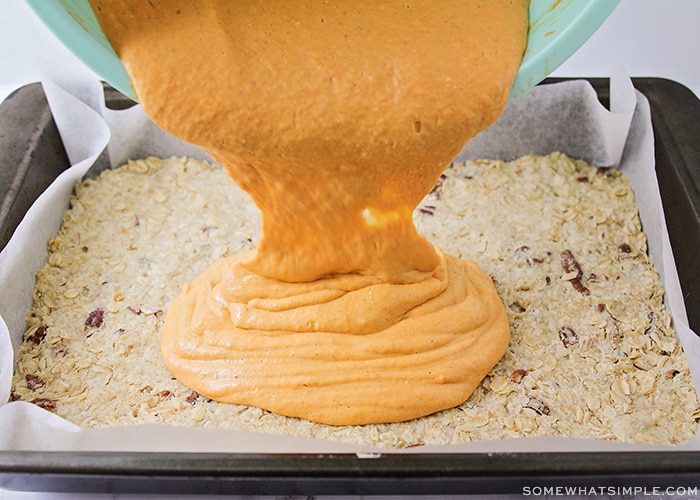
<point x="329" y="115"/>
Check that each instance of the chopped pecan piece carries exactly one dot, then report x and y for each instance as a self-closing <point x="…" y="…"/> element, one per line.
<point x="38" y="335"/>
<point x="427" y="209"/>
<point x="95" y="319"/>
<point x="438" y="185"/>
<point x="525" y="250"/>
<point x="192" y="398"/>
<point x="45" y="403"/>
<point x="650" y="317"/>
<point x="571" y="265"/>
<point x="538" y="406"/>
<point x="516" y="376"/>
<point x="568" y="336"/>
<point x="33" y="381"/>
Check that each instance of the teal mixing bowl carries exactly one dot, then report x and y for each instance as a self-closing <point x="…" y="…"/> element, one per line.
<point x="557" y="29"/>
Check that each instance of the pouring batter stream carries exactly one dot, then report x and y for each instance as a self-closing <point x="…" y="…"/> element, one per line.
<point x="337" y="118"/>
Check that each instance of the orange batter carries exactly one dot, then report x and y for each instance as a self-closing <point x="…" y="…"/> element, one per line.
<point x="337" y="118"/>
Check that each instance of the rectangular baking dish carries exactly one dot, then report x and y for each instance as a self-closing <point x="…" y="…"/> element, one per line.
<point x="32" y="155"/>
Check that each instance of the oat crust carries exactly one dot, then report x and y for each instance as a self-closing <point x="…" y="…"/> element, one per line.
<point x="593" y="353"/>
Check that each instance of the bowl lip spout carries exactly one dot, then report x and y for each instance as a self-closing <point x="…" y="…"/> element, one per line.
<point x="558" y="28"/>
<point x="75" y="25"/>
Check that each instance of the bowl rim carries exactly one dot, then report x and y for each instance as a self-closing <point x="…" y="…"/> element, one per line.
<point x="553" y="47"/>
<point x="536" y="66"/>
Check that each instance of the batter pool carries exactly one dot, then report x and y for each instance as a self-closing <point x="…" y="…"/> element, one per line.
<point x="337" y="118"/>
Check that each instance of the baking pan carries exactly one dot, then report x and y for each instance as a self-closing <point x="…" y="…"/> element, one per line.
<point x="32" y="155"/>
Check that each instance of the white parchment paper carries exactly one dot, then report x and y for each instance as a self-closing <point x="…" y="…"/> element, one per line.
<point x="564" y="117"/>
